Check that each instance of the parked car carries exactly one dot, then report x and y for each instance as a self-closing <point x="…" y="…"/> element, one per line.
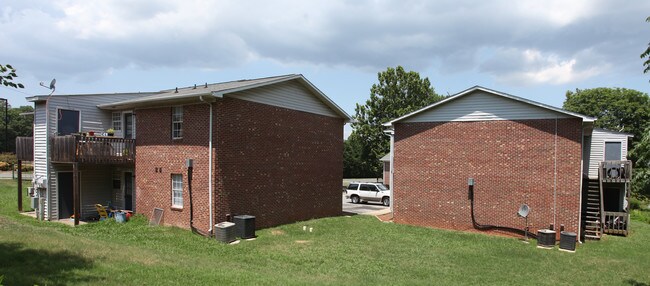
<point x="368" y="192"/>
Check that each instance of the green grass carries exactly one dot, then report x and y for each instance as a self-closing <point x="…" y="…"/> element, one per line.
<point x="357" y="250"/>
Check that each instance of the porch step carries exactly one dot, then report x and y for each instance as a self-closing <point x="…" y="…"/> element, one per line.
<point x="591" y="212"/>
<point x="592" y="237"/>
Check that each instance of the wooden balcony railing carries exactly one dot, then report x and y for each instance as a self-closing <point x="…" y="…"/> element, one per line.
<point x="616" y="222"/>
<point x="94" y="150"/>
<point x="25" y="148"/>
<point x="616" y="171"/>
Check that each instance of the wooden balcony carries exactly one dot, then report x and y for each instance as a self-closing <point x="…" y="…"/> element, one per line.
<point x="25" y="148"/>
<point x="616" y="223"/>
<point x="92" y="150"/>
<point x="616" y="171"/>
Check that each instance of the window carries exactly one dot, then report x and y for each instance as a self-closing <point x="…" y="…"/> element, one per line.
<point x="177" y="122"/>
<point x="117" y="121"/>
<point x="613" y="151"/>
<point x="364" y="188"/>
<point x="177" y="191"/>
<point x="353" y="186"/>
<point x="67" y="122"/>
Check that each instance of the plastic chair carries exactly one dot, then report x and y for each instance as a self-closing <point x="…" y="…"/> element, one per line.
<point x="102" y="212"/>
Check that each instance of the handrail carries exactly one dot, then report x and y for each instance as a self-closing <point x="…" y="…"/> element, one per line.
<point x="616" y="171"/>
<point x="91" y="149"/>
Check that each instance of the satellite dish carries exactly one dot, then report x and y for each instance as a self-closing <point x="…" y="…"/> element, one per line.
<point x="52" y="83"/>
<point x="523" y="210"/>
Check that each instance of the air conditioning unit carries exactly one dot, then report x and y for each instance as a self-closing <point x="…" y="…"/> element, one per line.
<point x="30" y="191"/>
<point x="568" y="241"/>
<point x="545" y="238"/>
<point x="224" y="232"/>
<point x="34" y="202"/>
<point x="245" y="225"/>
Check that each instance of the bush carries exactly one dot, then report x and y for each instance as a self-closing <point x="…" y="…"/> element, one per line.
<point x="635" y="203"/>
<point x="640" y="215"/>
<point x="8" y="158"/>
<point x="26" y="167"/>
<point x="4" y="166"/>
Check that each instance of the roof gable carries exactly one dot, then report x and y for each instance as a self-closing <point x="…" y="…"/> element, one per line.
<point x="482" y="104"/>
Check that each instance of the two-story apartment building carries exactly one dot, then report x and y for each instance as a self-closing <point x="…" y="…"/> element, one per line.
<point x="268" y="147"/>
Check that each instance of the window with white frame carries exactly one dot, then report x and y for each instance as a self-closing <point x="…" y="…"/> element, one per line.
<point x="177" y="190"/>
<point x="117" y="121"/>
<point x="177" y="122"/>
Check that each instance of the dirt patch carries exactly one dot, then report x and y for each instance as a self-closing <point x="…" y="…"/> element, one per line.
<point x="277" y="232"/>
<point x="303" y="241"/>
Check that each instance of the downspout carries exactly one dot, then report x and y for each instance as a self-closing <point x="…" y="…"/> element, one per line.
<point x="582" y="169"/>
<point x="210" y="188"/>
<point x="391" y="133"/>
<point x="555" y="176"/>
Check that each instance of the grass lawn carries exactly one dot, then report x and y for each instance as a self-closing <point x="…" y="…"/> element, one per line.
<point x="342" y="250"/>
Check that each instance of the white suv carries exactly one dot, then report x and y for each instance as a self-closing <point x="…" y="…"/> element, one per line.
<point x="369" y="192"/>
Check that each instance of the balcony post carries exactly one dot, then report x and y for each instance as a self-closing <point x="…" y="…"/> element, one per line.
<point x="75" y="192"/>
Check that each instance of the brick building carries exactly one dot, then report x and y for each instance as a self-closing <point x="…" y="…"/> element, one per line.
<point x="516" y="151"/>
<point x="269" y="147"/>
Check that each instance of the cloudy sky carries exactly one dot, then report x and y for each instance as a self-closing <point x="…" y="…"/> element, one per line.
<point x="534" y="49"/>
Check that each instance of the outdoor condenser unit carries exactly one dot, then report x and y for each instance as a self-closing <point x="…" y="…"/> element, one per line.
<point x="245" y="225"/>
<point x="568" y="241"/>
<point x="34" y="202"/>
<point x="224" y="232"/>
<point x="545" y="238"/>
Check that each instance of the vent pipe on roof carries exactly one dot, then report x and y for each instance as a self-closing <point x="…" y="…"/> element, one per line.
<point x="176" y="90"/>
<point x="206" y="85"/>
<point x="194" y="86"/>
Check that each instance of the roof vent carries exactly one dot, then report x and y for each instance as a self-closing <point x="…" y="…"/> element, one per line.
<point x="194" y="86"/>
<point x="176" y="90"/>
<point x="206" y="85"/>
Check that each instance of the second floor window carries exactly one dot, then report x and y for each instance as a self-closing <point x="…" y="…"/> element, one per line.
<point x="177" y="122"/>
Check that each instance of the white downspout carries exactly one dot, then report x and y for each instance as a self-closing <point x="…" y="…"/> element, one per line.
<point x="210" y="190"/>
<point x="555" y="177"/>
<point x="392" y="169"/>
<point x="582" y="169"/>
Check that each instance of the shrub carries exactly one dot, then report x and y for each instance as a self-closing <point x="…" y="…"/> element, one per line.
<point x="635" y="203"/>
<point x="4" y="166"/>
<point x="27" y="167"/>
<point x="9" y="158"/>
<point x="640" y="215"/>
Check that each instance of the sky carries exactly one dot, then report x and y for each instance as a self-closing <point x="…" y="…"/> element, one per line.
<point x="533" y="49"/>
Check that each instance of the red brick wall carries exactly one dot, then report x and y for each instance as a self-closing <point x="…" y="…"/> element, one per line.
<point x="277" y="164"/>
<point x="156" y="150"/>
<point x="512" y="163"/>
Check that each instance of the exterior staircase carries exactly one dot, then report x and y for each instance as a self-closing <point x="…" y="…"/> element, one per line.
<point x="592" y="212"/>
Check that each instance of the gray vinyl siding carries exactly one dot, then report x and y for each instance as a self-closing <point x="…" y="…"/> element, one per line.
<point x="482" y="106"/>
<point x="97" y="188"/>
<point x="290" y="95"/>
<point x="91" y="119"/>
<point x="597" y="152"/>
<point x="40" y="148"/>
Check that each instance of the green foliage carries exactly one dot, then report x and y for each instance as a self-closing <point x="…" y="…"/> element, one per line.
<point x="354" y="166"/>
<point x="642" y="215"/>
<point x="19" y="125"/>
<point x="397" y="93"/>
<point x="641" y="174"/>
<point x="7" y="76"/>
<point x="616" y="109"/>
<point x="646" y="54"/>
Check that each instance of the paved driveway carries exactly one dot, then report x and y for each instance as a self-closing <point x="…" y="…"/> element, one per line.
<point x="363" y="208"/>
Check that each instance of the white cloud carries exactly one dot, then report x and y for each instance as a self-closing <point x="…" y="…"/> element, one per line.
<point x="87" y="39"/>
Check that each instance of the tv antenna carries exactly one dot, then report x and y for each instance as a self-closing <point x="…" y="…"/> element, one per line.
<point x="524" y="210"/>
<point x="51" y="87"/>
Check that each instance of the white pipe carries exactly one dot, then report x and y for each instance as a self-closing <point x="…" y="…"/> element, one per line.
<point x="392" y="183"/>
<point x="582" y="169"/>
<point x="555" y="176"/>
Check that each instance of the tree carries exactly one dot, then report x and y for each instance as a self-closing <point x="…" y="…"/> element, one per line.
<point x="397" y="93"/>
<point x="7" y="75"/>
<point x="19" y="125"/>
<point x="641" y="173"/>
<point x="646" y="54"/>
<point x="617" y="109"/>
